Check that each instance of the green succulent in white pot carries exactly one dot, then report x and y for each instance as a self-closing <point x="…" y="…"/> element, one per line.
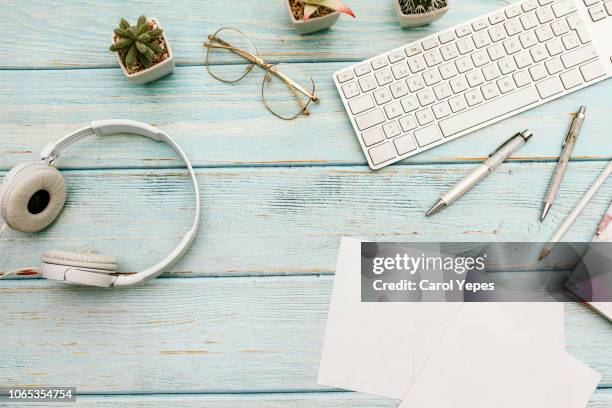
<point x="309" y="16"/>
<point x="415" y="13"/>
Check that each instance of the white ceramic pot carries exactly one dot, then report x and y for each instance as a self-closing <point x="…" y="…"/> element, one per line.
<point x="416" y="20"/>
<point x="154" y="72"/>
<point x="313" y="24"/>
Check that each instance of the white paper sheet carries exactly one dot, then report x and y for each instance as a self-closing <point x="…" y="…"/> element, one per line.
<point x="483" y="363"/>
<point x="380" y="348"/>
<point x="373" y="347"/>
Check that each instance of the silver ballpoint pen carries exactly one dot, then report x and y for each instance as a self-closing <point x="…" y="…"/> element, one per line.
<point x="494" y="161"/>
<point x="566" y="154"/>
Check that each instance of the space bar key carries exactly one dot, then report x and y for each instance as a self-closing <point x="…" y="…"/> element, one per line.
<point x="488" y="111"/>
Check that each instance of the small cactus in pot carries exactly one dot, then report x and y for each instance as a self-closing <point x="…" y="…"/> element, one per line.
<point x="142" y="50"/>
<point x="414" y="13"/>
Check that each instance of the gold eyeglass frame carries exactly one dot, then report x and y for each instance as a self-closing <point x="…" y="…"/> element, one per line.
<point x="270" y="69"/>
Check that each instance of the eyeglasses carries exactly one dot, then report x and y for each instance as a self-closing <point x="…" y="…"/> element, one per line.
<point x="286" y="91"/>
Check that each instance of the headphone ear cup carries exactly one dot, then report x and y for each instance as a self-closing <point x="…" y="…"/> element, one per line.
<point x="32" y="196"/>
<point x="81" y="259"/>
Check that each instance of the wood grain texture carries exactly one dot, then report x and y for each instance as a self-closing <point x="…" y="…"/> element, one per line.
<point x="227" y="125"/>
<point x="78" y="34"/>
<point x="195" y="335"/>
<point x="290" y="220"/>
<point x="601" y="399"/>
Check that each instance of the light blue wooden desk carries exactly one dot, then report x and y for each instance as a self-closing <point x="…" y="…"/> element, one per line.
<point x="240" y="321"/>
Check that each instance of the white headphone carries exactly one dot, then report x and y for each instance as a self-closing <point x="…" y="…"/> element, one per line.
<point x="33" y="195"/>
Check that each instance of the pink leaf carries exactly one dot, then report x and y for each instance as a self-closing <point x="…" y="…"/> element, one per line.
<point x="337" y="5"/>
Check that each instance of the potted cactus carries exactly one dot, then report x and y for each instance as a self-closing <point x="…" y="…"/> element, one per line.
<point x="309" y="16"/>
<point x="142" y="50"/>
<point x="414" y="13"/>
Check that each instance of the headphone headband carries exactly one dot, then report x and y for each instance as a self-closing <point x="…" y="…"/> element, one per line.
<point x="112" y="127"/>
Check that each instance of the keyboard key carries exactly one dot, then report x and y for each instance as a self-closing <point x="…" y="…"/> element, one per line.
<point x="488" y="111"/>
<point x="544" y="33"/>
<point x="592" y="70"/>
<point x="350" y="90"/>
<point x="382" y="153"/>
<point x="539" y="53"/>
<point x="391" y="129"/>
<point x="446" y="37"/>
<point x="505" y="85"/>
<point x="497" y="33"/>
<point x="514" y="11"/>
<point x="405" y="144"/>
<point x="458" y="84"/>
<point x="608" y="5"/>
<point x="399" y="89"/>
<point x="474" y="78"/>
<point x="441" y="110"/>
<point x="481" y="39"/>
<point x="396" y="56"/>
<point x="480" y="58"/>
<point x="474" y="97"/>
<point x="521" y="78"/>
<point x="490" y="91"/>
<point x="528" y="39"/>
<point x="442" y="91"/>
<point x="449" y="51"/>
<point x="529" y="5"/>
<point x="433" y="58"/>
<point x="463" y="31"/>
<point x="480" y="24"/>
<point x="571" y="79"/>
<point x="496" y="52"/>
<point x="428" y="135"/>
<point x="384" y="77"/>
<point x="598" y="12"/>
<point x="549" y="87"/>
<point x="571" y="41"/>
<point x="416" y="64"/>
<point x="538" y="72"/>
<point x="429" y="43"/>
<point x="529" y="21"/>
<point x="522" y="59"/>
<point x="513" y="27"/>
<point x="408" y="123"/>
<point x="559" y="27"/>
<point x="497" y="18"/>
<point x="412" y="50"/>
<point x="465" y="45"/>
<point x="426" y="97"/>
<point x="369" y="119"/>
<point x="464" y="64"/>
<point x="345" y="76"/>
<point x="372" y="136"/>
<point x="361" y="104"/>
<point x="553" y="66"/>
<point x="457" y="103"/>
<point x="400" y="70"/>
<point x="507" y="65"/>
<point x="576" y="57"/>
<point x="363" y="69"/>
<point x="367" y="83"/>
<point x="382" y="96"/>
<point x="380" y="62"/>
<point x="563" y="8"/>
<point x="491" y="72"/>
<point x="415" y="83"/>
<point x="555" y="47"/>
<point x="545" y="15"/>
<point x="432" y="77"/>
<point x="512" y="45"/>
<point x="424" y="116"/>
<point x="448" y="70"/>
<point x="393" y="110"/>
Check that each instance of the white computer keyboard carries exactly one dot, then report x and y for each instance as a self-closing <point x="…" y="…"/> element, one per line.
<point x="446" y="85"/>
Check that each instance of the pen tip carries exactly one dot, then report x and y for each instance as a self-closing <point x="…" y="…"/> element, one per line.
<point x="545" y="211"/>
<point x="436" y="208"/>
<point x="545" y="252"/>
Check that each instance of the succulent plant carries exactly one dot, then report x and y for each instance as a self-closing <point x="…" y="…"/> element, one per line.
<point x="312" y="6"/>
<point x="421" y="6"/>
<point x="137" y="44"/>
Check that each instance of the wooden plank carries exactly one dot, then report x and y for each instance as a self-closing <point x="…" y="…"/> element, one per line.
<point x="227" y="125"/>
<point x="290" y="220"/>
<point x="70" y="33"/>
<point x="194" y="335"/>
<point x="601" y="399"/>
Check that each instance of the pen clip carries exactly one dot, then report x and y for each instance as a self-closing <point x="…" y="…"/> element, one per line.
<point x="505" y="143"/>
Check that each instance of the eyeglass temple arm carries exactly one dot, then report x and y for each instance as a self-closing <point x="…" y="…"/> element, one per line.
<point x="256" y="60"/>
